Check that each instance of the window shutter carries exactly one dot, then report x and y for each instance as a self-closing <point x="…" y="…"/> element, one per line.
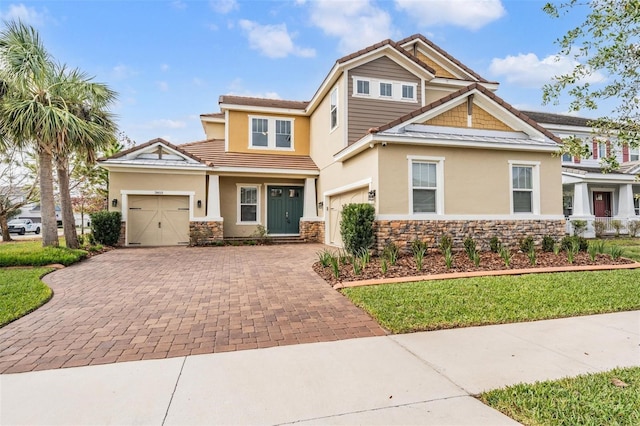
<point x="608" y="148"/>
<point x="595" y="150"/>
<point x="625" y="153"/>
<point x="576" y="160"/>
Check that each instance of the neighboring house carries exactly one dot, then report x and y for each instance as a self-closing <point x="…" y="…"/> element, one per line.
<point x="32" y="211"/>
<point x="588" y="193"/>
<point x="401" y="125"/>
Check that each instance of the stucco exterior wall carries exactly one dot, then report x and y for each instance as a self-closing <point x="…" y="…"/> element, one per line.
<point x="162" y="181"/>
<point x="476" y="181"/>
<point x="327" y="142"/>
<point x="239" y="129"/>
<point x="213" y="130"/>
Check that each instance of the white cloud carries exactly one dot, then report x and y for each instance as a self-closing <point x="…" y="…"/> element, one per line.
<point x="164" y="67"/>
<point x="223" y="6"/>
<point x="356" y="23"/>
<point x="163" y="86"/>
<point x="121" y="72"/>
<point x="20" y="12"/>
<point x="527" y="70"/>
<point x="471" y="14"/>
<point x="273" y="41"/>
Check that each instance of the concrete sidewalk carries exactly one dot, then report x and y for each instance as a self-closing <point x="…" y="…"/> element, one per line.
<point x="420" y="378"/>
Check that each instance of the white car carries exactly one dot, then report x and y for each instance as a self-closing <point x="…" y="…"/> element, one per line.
<point x="22" y="226"/>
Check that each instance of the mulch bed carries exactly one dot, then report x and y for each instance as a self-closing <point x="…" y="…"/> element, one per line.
<point x="434" y="263"/>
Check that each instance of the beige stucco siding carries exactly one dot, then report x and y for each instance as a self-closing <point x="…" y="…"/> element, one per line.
<point x="213" y="130"/>
<point x="326" y="142"/>
<point x="476" y="181"/>
<point x="162" y="181"/>
<point x="229" y="202"/>
<point x="239" y="127"/>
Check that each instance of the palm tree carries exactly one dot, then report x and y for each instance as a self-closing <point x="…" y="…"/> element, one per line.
<point x="45" y="105"/>
<point x="88" y="101"/>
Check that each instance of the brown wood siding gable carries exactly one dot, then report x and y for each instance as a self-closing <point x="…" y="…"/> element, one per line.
<point x="365" y="113"/>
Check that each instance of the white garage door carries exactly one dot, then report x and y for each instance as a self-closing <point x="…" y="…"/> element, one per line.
<point x="158" y="220"/>
<point x="336" y="202"/>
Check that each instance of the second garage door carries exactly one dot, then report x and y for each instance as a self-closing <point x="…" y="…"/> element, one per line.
<point x="336" y="203"/>
<point x="158" y="220"/>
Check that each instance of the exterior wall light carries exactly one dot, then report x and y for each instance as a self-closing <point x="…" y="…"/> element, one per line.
<point x="372" y="195"/>
<point x="199" y="203"/>
<point x="114" y="202"/>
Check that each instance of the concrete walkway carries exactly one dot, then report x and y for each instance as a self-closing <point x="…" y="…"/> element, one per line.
<point x="420" y="378"/>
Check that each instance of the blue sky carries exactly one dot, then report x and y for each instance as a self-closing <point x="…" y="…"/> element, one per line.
<point x="170" y="60"/>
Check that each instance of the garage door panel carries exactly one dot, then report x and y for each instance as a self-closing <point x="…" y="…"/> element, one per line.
<point x="158" y="220"/>
<point x="336" y="204"/>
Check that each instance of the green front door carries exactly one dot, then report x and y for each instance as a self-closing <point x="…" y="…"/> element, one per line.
<point x="284" y="209"/>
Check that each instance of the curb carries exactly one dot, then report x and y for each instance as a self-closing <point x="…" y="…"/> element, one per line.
<point x="455" y="275"/>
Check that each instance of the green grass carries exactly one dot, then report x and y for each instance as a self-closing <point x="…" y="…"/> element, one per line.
<point x="31" y="253"/>
<point x="21" y="291"/>
<point x="585" y="400"/>
<point x="433" y="305"/>
<point x="631" y="246"/>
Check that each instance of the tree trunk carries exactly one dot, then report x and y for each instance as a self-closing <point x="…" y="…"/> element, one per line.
<point x="6" y="236"/>
<point x="47" y="203"/>
<point x="68" y="221"/>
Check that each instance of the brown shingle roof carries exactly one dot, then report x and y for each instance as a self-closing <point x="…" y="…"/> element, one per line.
<point x="561" y="119"/>
<point x="460" y="92"/>
<point x="443" y="53"/>
<point x="214" y="115"/>
<point x="385" y="43"/>
<point x="212" y="152"/>
<point x="263" y="102"/>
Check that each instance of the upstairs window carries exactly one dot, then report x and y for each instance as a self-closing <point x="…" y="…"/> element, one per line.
<point x="567" y="158"/>
<point x="386" y="89"/>
<point x="362" y="87"/>
<point x="271" y="133"/>
<point x="602" y="150"/>
<point x="634" y="154"/>
<point x="333" y="109"/>
<point x="407" y="92"/>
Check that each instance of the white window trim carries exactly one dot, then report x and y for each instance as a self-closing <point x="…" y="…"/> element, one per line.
<point x="337" y="93"/>
<point x="239" y="186"/>
<point x="374" y="89"/>
<point x="535" y="177"/>
<point x="271" y="133"/>
<point x="634" y="151"/>
<point x="439" y="162"/>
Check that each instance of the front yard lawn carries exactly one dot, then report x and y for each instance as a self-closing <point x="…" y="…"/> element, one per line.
<point x="21" y="292"/>
<point x="611" y="398"/>
<point x="433" y="305"/>
<point x="631" y="246"/>
<point x="31" y="253"/>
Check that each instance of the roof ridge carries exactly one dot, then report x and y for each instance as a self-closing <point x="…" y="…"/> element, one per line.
<point x="386" y="42"/>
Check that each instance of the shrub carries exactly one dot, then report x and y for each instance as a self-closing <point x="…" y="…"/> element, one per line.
<point x="448" y="258"/>
<point x="446" y="243"/>
<point x="617" y="225"/>
<point x="470" y="247"/>
<point x="418" y="256"/>
<point x="324" y="257"/>
<point x="616" y="252"/>
<point x="418" y="246"/>
<point x="599" y="228"/>
<point x="593" y="252"/>
<point x="495" y="245"/>
<point x="634" y="227"/>
<point x="505" y="254"/>
<point x="527" y="244"/>
<point x="335" y="266"/>
<point x="569" y="241"/>
<point x="548" y="243"/>
<point x="532" y="256"/>
<point x="356" y="227"/>
<point x="390" y="252"/>
<point x="105" y="227"/>
<point x="579" y="226"/>
<point x="383" y="266"/>
<point x="476" y="258"/>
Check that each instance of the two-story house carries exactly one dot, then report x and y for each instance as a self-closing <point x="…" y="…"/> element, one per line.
<point x="588" y="193"/>
<point x="401" y="125"/>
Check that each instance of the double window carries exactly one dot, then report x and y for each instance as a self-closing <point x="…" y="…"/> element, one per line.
<point x="248" y="204"/>
<point x="426" y="178"/>
<point x="525" y="184"/>
<point x="272" y="133"/>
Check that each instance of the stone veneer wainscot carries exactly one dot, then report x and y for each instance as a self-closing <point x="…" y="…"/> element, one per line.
<point x="205" y="233"/>
<point x="312" y="231"/>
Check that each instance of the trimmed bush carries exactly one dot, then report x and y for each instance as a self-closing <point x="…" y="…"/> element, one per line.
<point x="470" y="247"/>
<point x="527" y="244"/>
<point x="494" y="244"/>
<point x="548" y="243"/>
<point x="105" y="227"/>
<point x="568" y="243"/>
<point x="446" y="243"/>
<point x="356" y="227"/>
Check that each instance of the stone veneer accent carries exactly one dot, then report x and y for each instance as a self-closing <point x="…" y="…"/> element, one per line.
<point x="122" y="238"/>
<point x="205" y="233"/>
<point x="402" y="232"/>
<point x="312" y="231"/>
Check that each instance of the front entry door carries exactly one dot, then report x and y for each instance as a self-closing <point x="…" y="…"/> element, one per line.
<point x="284" y="209"/>
<point x="602" y="204"/>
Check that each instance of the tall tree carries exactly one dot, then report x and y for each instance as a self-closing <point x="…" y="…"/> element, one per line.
<point x="607" y="42"/>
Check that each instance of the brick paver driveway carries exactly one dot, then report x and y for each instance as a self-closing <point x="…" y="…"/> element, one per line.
<point x="132" y="304"/>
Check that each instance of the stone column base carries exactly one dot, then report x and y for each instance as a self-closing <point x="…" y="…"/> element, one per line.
<point x="206" y="233"/>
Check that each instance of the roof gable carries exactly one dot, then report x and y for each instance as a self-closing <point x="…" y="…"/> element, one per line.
<point x="157" y="153"/>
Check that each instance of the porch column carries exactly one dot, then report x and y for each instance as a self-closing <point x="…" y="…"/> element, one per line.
<point x="625" y="202"/>
<point x="310" y="198"/>
<point x="213" y="198"/>
<point x="581" y="200"/>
